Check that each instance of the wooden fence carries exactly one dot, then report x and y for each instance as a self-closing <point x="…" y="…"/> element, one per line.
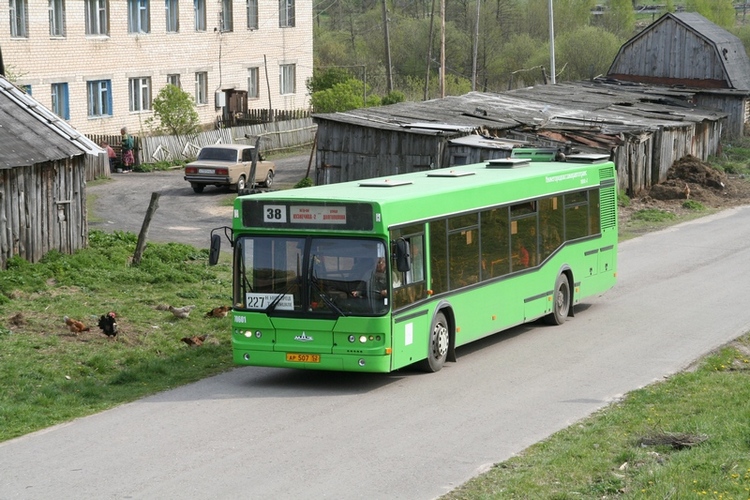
<point x="275" y="136"/>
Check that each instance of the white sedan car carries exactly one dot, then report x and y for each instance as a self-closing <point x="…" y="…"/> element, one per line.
<point x="228" y="165"/>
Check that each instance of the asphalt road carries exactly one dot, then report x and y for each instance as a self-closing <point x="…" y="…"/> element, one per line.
<point x="182" y="216"/>
<point x="275" y="434"/>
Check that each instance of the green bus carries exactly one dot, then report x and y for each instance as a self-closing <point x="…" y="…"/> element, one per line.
<point x="378" y="274"/>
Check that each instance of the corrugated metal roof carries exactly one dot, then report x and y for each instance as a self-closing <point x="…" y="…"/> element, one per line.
<point x="30" y="133"/>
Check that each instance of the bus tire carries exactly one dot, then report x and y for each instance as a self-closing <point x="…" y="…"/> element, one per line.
<point x="438" y="345"/>
<point x="560" y="301"/>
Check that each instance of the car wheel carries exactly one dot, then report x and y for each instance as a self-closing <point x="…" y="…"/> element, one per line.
<point x="269" y="179"/>
<point x="241" y="184"/>
<point x="197" y="188"/>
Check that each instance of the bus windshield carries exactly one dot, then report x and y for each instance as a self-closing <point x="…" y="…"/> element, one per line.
<point x="300" y="276"/>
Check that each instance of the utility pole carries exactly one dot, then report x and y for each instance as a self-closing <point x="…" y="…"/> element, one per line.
<point x="429" y="55"/>
<point x="388" y="75"/>
<point x="474" y="57"/>
<point x="442" y="48"/>
<point x="551" y="44"/>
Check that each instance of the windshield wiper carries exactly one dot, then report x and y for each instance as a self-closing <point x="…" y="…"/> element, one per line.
<point x="326" y="298"/>
<point x="272" y="306"/>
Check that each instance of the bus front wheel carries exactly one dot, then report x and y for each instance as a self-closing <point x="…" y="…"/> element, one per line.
<point x="560" y="302"/>
<point x="439" y="343"/>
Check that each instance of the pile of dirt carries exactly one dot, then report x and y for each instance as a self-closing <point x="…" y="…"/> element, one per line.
<point x="689" y="178"/>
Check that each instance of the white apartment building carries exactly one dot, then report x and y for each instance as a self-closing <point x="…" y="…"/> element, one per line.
<point x="99" y="63"/>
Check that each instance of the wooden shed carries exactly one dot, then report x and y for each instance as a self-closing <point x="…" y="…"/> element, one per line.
<point x="42" y="179"/>
<point x="687" y="50"/>
<point x="646" y="129"/>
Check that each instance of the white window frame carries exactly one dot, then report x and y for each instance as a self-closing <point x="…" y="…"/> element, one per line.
<point x="172" y="9"/>
<point x="19" y="18"/>
<point x="97" y="17"/>
<point x="140" y="94"/>
<point x="99" y="98"/>
<point x="174" y="79"/>
<point x="286" y="14"/>
<point x="60" y="100"/>
<point x="57" y="18"/>
<point x="201" y="88"/>
<point x="287" y="79"/>
<point x="139" y="16"/>
<point x="252" y="14"/>
<point x="199" y="10"/>
<point x="253" y="83"/>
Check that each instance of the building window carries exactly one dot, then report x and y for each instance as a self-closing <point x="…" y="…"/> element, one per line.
<point x="140" y="94"/>
<point x="286" y="13"/>
<point x="97" y="17"/>
<point x="60" y="100"/>
<point x="57" y="18"/>
<point x="138" y="16"/>
<point x="252" y="83"/>
<point x="287" y="79"/>
<point x="173" y="15"/>
<point x="201" y="88"/>
<point x="226" y="16"/>
<point x="19" y="22"/>
<point x="252" y="14"/>
<point x="174" y="80"/>
<point x="199" y="6"/>
<point x="100" y="98"/>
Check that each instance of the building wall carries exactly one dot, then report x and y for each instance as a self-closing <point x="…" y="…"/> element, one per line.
<point x="41" y="60"/>
<point x="43" y="208"/>
<point x="668" y="53"/>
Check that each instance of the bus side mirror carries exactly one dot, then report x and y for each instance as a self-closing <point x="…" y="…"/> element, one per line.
<point x="402" y="256"/>
<point x="213" y="254"/>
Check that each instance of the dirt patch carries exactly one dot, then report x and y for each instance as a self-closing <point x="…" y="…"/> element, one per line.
<point x="689" y="178"/>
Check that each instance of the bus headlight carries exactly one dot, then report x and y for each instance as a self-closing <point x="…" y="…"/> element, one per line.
<point x="258" y="334"/>
<point x="363" y="338"/>
<point x="248" y="333"/>
<point x="361" y="362"/>
<point x="351" y="338"/>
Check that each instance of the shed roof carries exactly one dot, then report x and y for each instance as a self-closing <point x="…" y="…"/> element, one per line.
<point x="729" y="49"/>
<point x="601" y="107"/>
<point x="30" y="133"/>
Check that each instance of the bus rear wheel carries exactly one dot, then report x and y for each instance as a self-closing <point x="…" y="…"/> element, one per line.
<point x="439" y="342"/>
<point x="560" y="302"/>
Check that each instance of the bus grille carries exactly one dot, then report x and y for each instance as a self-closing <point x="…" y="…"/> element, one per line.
<point x="608" y="202"/>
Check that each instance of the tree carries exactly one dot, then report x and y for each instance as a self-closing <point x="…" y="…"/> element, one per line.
<point x="574" y="52"/>
<point x="720" y="12"/>
<point x="340" y="97"/>
<point x="175" y="110"/>
<point x="619" y="18"/>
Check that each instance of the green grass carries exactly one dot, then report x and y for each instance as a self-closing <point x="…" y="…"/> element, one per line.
<point x="611" y="455"/>
<point x="51" y="375"/>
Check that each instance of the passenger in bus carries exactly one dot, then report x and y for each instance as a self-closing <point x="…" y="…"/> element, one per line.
<point x="522" y="258"/>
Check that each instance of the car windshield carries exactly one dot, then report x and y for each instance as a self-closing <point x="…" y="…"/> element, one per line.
<point x="312" y="276"/>
<point x="218" y="154"/>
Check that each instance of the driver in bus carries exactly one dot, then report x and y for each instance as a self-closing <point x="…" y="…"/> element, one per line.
<point x="378" y="281"/>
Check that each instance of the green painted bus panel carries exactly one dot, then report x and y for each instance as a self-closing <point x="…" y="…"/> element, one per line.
<point x="400" y="338"/>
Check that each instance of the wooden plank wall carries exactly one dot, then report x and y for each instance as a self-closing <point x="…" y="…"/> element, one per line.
<point x="43" y="208"/>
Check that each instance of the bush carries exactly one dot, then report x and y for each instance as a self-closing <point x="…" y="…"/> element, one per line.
<point x="694" y="205"/>
<point x="306" y="182"/>
<point x="653" y="215"/>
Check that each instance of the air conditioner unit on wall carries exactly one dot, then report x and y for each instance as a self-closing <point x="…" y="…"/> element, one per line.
<point x="221" y="99"/>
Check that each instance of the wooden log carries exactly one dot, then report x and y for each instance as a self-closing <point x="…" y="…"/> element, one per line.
<point x="141" y="246"/>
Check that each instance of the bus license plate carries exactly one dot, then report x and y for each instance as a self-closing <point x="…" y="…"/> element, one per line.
<point x="302" y="358"/>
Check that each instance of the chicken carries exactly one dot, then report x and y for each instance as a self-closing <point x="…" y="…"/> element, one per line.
<point x="75" y="326"/>
<point x="181" y="312"/>
<point x="108" y="324"/>
<point x="194" y="340"/>
<point x="687" y="191"/>
<point x="218" y="312"/>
